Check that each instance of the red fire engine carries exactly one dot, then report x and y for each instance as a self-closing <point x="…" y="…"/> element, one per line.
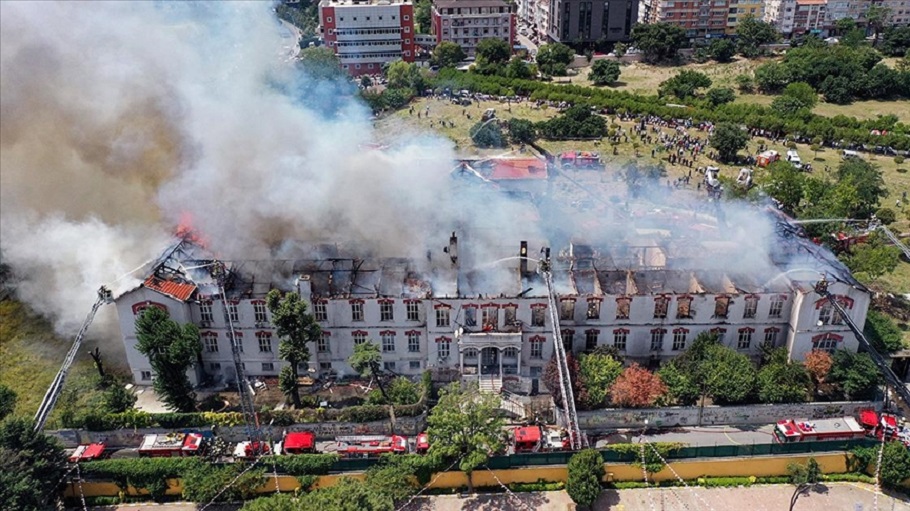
<point x="844" y="428"/>
<point x="580" y="160"/>
<point x="536" y="438"/>
<point x="171" y="445"/>
<point x="249" y="449"/>
<point x="87" y="453"/>
<point x="879" y="425"/>
<point x="423" y="443"/>
<point x="367" y="446"/>
<point x="300" y="442"/>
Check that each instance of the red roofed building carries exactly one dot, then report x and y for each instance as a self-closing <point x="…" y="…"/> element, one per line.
<point x="175" y="289"/>
<point x="517" y="174"/>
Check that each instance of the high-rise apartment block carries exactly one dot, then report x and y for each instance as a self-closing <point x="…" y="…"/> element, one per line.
<point x="366" y="34"/>
<point x="583" y="21"/>
<point x="467" y="22"/>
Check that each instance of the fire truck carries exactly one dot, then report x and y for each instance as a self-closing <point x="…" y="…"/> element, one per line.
<point x="249" y="449"/>
<point x="843" y="428"/>
<point x="536" y="438"/>
<point x="300" y="442"/>
<point x="368" y="446"/>
<point x="423" y="443"/>
<point x="878" y="426"/>
<point x="580" y="160"/>
<point x="171" y="445"/>
<point x="87" y="452"/>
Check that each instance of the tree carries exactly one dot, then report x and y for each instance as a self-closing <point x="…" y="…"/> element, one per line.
<point x="620" y="49"/>
<point x="7" y="401"/>
<point x="867" y="179"/>
<point x="277" y="502"/>
<point x="796" y="97"/>
<point x="873" y="258"/>
<point x="117" y="399"/>
<point x="487" y="134"/>
<point x="658" y="42"/>
<point x="854" y="374"/>
<point x="367" y="362"/>
<point x="402" y="391"/>
<point x="296" y="328"/>
<point x="886" y="216"/>
<point x="684" y="84"/>
<point x="465" y="425"/>
<point x="448" y="54"/>
<point x="772" y="77"/>
<point x="604" y="72"/>
<point x="405" y="75"/>
<point x="96" y="359"/>
<point x="895" y="464"/>
<point x="786" y="184"/>
<point x="205" y="482"/>
<point x="751" y="33"/>
<point x="423" y="16"/>
<point x="896" y="41"/>
<point x="745" y="83"/>
<point x="320" y="63"/>
<point x="551" y="380"/>
<point x="877" y="17"/>
<point x="728" y="139"/>
<point x="727" y="376"/>
<point x="491" y="55"/>
<point x="785" y="382"/>
<point x="682" y="387"/>
<point x="171" y="349"/>
<point x="553" y="59"/>
<point x="638" y="177"/>
<point x="722" y="50"/>
<point x="720" y="96"/>
<point x="804" y="477"/>
<point x="31" y="467"/>
<point x="818" y="363"/>
<point x="837" y="90"/>
<point x="597" y="373"/>
<point x="883" y="333"/>
<point x="637" y="387"/>
<point x="522" y="131"/>
<point x="586" y="470"/>
<point x="518" y="68"/>
<point x="392" y="479"/>
<point x="347" y="495"/>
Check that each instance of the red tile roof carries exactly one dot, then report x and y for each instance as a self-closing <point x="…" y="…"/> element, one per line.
<point x="177" y="290"/>
<point x="518" y="168"/>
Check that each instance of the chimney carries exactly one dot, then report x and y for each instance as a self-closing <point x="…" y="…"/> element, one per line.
<point x="523" y="260"/>
<point x="304" y="288"/>
<point x="452" y="249"/>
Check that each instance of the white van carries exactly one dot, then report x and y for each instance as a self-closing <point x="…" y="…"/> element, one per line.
<point x="851" y="154"/>
<point x="793" y="158"/>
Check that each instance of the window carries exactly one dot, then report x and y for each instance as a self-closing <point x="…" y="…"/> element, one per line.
<point x="657" y="339"/>
<point x="442" y="317"/>
<point x="238" y="340"/>
<point x="622" y="306"/>
<point x="443" y="345"/>
<point x="826" y="342"/>
<point x="357" y="311"/>
<point x="406" y="18"/>
<point x="214" y="366"/>
<point x="745" y="339"/>
<point x="265" y="342"/>
<point x="619" y="339"/>
<point x="385" y="311"/>
<point x="593" y="308"/>
<point x="233" y="312"/>
<point x="145" y="375"/>
<point x="721" y="306"/>
<point x="751" y="307"/>
<point x="414" y="365"/>
<point x="328" y="19"/>
<point x="537" y="347"/>
<point x="538" y="315"/>
<point x="591" y="339"/>
<point x="510" y="353"/>
<point x="413" y="309"/>
<point x="210" y="340"/>
<point x="259" y="314"/>
<point x="720" y="333"/>
<point x="771" y="337"/>
<point x="679" y="339"/>
<point x="470" y="316"/>
<point x="568" y="339"/>
<point x="205" y="312"/>
<point x="322" y="344"/>
<point x="388" y="341"/>
<point x="268" y="367"/>
<point x="360" y="337"/>
<point x="661" y="305"/>
<point x="325" y="366"/>
<point x="567" y="309"/>
<point x="511" y="314"/>
<point x="319" y="310"/>
<point x="389" y="366"/>
<point x="470" y="353"/>
<point x="490" y="317"/>
<point x="827" y="315"/>
<point x="139" y="308"/>
<point x="683" y="307"/>
<point x="413" y="342"/>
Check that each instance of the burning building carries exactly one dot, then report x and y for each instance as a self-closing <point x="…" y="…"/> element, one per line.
<point x="648" y="297"/>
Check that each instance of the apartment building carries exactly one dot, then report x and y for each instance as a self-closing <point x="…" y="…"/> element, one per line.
<point x="740" y="9"/>
<point x="821" y="16"/>
<point x="702" y="19"/>
<point x="494" y="320"/>
<point x="467" y="22"/>
<point x="365" y="34"/>
<point x="584" y="21"/>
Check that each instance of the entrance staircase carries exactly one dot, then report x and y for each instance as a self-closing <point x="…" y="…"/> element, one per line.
<point x="491" y="384"/>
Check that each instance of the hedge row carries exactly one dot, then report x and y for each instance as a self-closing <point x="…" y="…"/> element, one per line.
<point x="830" y="129"/>
<point x="133" y="419"/>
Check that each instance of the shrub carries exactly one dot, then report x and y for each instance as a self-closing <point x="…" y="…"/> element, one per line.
<point x="586" y="470"/>
<point x="899" y="159"/>
<point x="302" y="464"/>
<point x="539" y="485"/>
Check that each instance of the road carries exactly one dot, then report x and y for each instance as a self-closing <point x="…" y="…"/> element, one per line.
<point x="524" y="41"/>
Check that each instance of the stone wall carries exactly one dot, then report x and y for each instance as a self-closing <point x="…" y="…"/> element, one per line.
<point x="126" y="438"/>
<point x="600" y="421"/>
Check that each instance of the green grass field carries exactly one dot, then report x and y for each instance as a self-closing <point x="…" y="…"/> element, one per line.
<point x="30" y="356"/>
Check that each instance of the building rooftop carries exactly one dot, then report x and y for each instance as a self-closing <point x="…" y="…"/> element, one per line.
<point x="469" y="3"/>
<point x="352" y="3"/>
